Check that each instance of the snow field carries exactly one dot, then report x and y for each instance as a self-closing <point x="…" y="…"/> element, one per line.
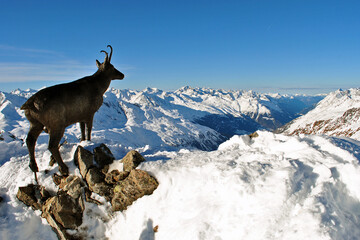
<point x="272" y="187"/>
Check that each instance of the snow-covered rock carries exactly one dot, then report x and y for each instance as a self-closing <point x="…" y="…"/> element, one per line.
<point x="336" y="115"/>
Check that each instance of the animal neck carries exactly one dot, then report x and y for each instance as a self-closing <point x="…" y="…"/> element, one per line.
<point x="102" y="81"/>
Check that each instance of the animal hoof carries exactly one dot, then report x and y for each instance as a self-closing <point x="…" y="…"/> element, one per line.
<point x="64" y="170"/>
<point x="33" y="166"/>
<point x="52" y="161"/>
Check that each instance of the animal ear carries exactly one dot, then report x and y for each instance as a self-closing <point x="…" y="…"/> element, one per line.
<point x="98" y="64"/>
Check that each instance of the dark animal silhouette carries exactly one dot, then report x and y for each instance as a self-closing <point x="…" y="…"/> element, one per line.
<point x="54" y="108"/>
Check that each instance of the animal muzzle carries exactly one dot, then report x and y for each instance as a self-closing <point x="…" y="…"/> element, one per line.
<point x="120" y="76"/>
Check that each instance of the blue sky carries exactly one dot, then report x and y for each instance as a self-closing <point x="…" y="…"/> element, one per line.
<point x="268" y="46"/>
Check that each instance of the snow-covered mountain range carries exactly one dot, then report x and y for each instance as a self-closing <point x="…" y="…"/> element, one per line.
<point x="273" y="186"/>
<point x="188" y="117"/>
<point x="336" y="115"/>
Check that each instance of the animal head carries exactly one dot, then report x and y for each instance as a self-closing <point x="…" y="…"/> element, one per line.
<point x="108" y="68"/>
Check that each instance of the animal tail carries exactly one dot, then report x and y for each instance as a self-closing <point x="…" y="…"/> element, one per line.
<point x="26" y="105"/>
<point x="32" y="104"/>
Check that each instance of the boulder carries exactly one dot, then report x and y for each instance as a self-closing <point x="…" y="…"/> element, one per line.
<point x="84" y="160"/>
<point x="33" y="196"/>
<point x="103" y="156"/>
<point x="72" y="185"/>
<point x="96" y="182"/>
<point x="136" y="185"/>
<point x="66" y="210"/>
<point x="253" y="135"/>
<point x="115" y="176"/>
<point x="57" y="228"/>
<point x="132" y="160"/>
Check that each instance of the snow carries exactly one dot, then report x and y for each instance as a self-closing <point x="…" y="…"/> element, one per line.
<point x="270" y="187"/>
<point x="273" y="186"/>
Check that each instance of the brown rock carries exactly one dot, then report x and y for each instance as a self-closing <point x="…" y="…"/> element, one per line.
<point x="96" y="182"/>
<point x="33" y="196"/>
<point x="57" y="228"/>
<point x="115" y="176"/>
<point x="136" y="185"/>
<point x="254" y="135"/>
<point x="132" y="160"/>
<point x="103" y="156"/>
<point x="84" y="160"/>
<point x="66" y="210"/>
<point x="72" y="185"/>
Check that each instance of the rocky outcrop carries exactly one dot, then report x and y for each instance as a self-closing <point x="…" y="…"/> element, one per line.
<point x="33" y="196"/>
<point x="84" y="160"/>
<point x="64" y="210"/>
<point x="343" y="126"/>
<point x="132" y="160"/>
<point x="136" y="185"/>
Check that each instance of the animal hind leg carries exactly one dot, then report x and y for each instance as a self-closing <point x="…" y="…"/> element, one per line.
<point x="55" y="137"/>
<point x="82" y="128"/>
<point x="34" y="132"/>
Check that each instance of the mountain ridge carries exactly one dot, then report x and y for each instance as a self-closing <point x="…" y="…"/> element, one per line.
<point x="338" y="114"/>
<point x="189" y="117"/>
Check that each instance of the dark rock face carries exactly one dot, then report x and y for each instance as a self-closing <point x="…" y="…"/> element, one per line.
<point x="103" y="156"/>
<point x="136" y="185"/>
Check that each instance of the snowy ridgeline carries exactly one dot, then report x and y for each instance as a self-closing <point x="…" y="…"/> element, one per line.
<point x="336" y="115"/>
<point x="269" y="187"/>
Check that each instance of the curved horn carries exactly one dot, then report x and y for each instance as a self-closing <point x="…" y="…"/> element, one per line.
<point x="106" y="57"/>
<point x="109" y="46"/>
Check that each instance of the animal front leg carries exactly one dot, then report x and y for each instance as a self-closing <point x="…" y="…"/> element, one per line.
<point x="55" y="137"/>
<point x="82" y="128"/>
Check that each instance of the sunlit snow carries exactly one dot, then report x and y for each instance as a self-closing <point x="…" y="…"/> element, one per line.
<point x="269" y="187"/>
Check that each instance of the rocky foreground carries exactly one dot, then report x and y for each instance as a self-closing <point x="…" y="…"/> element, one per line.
<point x="64" y="210"/>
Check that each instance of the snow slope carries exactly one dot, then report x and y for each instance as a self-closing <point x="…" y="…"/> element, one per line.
<point x="336" y="115"/>
<point x="270" y="187"/>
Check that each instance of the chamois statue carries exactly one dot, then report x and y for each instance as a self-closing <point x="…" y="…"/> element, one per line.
<point x="54" y="108"/>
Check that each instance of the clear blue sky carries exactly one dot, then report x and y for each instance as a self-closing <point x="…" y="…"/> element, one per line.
<point x="304" y="46"/>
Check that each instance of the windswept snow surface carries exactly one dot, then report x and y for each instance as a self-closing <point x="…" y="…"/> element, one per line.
<point x="270" y="187"/>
